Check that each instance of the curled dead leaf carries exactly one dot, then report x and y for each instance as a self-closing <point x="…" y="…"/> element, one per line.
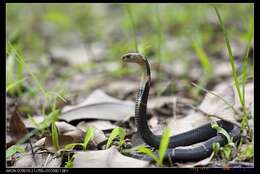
<point x="17" y="129"/>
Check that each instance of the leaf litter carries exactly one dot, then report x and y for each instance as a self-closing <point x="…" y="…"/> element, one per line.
<point x="104" y="113"/>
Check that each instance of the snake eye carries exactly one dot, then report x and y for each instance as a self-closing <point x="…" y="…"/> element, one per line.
<point x="126" y="57"/>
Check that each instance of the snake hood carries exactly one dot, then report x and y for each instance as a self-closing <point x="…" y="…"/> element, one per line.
<point x="139" y="59"/>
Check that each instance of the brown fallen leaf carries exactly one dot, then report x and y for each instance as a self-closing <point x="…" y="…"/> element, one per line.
<point x="164" y="105"/>
<point x="212" y="105"/>
<point x="99" y="106"/>
<point x="9" y="141"/>
<point x="215" y="106"/>
<point x="105" y="159"/>
<point x="99" y="139"/>
<point x="63" y="140"/>
<point x="17" y="128"/>
<point x="43" y="160"/>
<point x="98" y="124"/>
<point x="67" y="134"/>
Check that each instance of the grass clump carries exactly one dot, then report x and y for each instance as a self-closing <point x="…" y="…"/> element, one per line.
<point x="88" y="136"/>
<point x="225" y="151"/>
<point x="69" y="163"/>
<point x="117" y="132"/>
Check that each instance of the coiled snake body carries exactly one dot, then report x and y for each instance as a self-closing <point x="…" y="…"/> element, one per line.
<point x="204" y="135"/>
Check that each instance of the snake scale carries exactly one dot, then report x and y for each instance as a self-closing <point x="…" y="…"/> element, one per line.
<point x="203" y="137"/>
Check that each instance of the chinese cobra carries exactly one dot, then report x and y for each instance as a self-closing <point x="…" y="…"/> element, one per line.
<point x="203" y="136"/>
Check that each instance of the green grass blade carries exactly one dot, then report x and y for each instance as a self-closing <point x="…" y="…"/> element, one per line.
<point x="69" y="163"/>
<point x="13" y="149"/>
<point x="32" y="120"/>
<point x="203" y="58"/>
<point x="148" y="152"/>
<point x="221" y="131"/>
<point x="122" y="135"/>
<point x="14" y="84"/>
<point x="116" y="132"/>
<point x="52" y="93"/>
<point x="53" y="116"/>
<point x="245" y="57"/>
<point x="231" y="57"/>
<point x="20" y="60"/>
<point x="160" y="39"/>
<point x="55" y="136"/>
<point x="88" y="136"/>
<point x="10" y="66"/>
<point x="164" y="144"/>
<point x="71" y="146"/>
<point x="216" y="148"/>
<point x="131" y="19"/>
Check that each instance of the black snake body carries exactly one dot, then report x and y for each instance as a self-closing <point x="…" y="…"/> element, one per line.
<point x="204" y="135"/>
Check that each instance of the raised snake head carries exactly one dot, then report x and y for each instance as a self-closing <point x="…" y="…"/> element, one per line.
<point x="133" y="58"/>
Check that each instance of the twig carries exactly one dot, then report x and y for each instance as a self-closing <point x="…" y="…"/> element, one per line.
<point x="212" y="115"/>
<point x="174" y="106"/>
<point x="47" y="159"/>
<point x="220" y="97"/>
<point x="33" y="154"/>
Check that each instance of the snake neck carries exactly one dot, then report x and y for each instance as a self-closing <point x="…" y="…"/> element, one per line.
<point x="141" y="106"/>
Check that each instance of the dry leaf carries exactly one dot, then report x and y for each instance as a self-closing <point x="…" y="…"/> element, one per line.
<point x="63" y="140"/>
<point x="99" y="106"/>
<point x="99" y="137"/>
<point x="67" y="134"/>
<point x="122" y="88"/>
<point x="213" y="105"/>
<point x="16" y="127"/>
<point x="164" y="105"/>
<point x="105" y="159"/>
<point x="9" y="141"/>
<point x="158" y="102"/>
<point x="42" y="160"/>
<point x="98" y="124"/>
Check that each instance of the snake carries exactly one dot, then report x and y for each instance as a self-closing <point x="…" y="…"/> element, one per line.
<point x="193" y="145"/>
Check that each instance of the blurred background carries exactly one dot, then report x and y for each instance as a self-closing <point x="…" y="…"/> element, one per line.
<point x="73" y="49"/>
